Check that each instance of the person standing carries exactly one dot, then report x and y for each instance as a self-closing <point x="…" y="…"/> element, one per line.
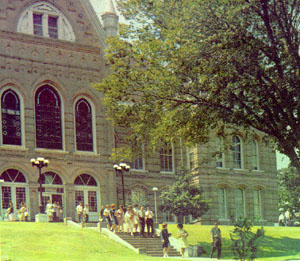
<point x="107" y="216"/>
<point x="86" y="213"/>
<point x="182" y="235"/>
<point x="10" y="212"/>
<point x="135" y="218"/>
<point x="164" y="235"/>
<point x="114" y="220"/>
<point x="129" y="216"/>
<point x="79" y="211"/>
<point x="216" y="240"/>
<point x="149" y="221"/>
<point x="22" y="211"/>
<point x="287" y="216"/>
<point x="281" y="219"/>
<point x="120" y="218"/>
<point x="141" y="216"/>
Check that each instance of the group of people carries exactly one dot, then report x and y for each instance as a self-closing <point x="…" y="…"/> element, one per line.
<point x="82" y="212"/>
<point x="181" y="235"/>
<point x="216" y="239"/>
<point x="54" y="211"/>
<point x="135" y="219"/>
<point x="22" y="212"/>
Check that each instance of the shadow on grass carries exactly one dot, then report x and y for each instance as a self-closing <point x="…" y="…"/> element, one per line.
<point x="267" y="247"/>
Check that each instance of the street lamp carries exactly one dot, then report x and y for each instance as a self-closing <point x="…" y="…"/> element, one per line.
<point x="155" y="189"/>
<point x="120" y="169"/>
<point x="1" y="181"/>
<point x="40" y="163"/>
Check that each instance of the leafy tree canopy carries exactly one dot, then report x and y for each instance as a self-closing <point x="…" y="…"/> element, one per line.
<point x="289" y="191"/>
<point x="182" y="67"/>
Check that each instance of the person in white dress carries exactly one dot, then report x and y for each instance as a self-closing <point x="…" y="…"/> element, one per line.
<point x="129" y="220"/>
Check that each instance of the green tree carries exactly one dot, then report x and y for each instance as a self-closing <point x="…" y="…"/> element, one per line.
<point x="289" y="191"/>
<point x="244" y="241"/>
<point x="183" y="197"/>
<point x="182" y="67"/>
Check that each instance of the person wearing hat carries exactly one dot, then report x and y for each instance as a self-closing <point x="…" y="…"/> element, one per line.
<point x="216" y="240"/>
<point x="164" y="235"/>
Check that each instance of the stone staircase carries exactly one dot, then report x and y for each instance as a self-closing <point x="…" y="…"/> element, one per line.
<point x="149" y="246"/>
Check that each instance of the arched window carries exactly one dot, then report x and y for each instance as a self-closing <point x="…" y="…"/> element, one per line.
<point x="48" y="118"/>
<point x="222" y="203"/>
<point x="85" y="180"/>
<point x="254" y="155"/>
<point x="239" y="202"/>
<point x="11" y="191"/>
<point x="166" y="158"/>
<point x="84" y="126"/>
<point x="257" y="204"/>
<point x="44" y="19"/>
<point x="51" y="178"/>
<point x="88" y="193"/>
<point x="236" y="152"/>
<point x="220" y="153"/>
<point x="11" y="118"/>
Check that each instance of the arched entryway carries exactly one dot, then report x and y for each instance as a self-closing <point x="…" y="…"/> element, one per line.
<point x="14" y="189"/>
<point x="87" y="192"/>
<point x="53" y="189"/>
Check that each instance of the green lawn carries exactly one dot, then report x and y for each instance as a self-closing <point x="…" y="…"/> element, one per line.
<point x="54" y="241"/>
<point x="279" y="243"/>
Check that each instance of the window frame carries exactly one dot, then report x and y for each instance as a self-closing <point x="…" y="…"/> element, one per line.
<point x="171" y="155"/>
<point x="237" y="163"/>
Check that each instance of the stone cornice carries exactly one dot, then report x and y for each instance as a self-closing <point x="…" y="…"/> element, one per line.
<point x="48" y="42"/>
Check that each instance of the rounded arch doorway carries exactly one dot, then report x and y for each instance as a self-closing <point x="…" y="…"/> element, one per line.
<point x="53" y="192"/>
<point x="14" y="189"/>
<point x="87" y="192"/>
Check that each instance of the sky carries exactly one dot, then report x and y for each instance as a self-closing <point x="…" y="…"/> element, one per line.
<point x="99" y="6"/>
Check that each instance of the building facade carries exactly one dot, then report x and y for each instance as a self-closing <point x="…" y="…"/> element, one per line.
<point x="51" y="53"/>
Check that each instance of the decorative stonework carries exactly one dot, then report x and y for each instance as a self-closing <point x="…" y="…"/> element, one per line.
<point x="25" y="24"/>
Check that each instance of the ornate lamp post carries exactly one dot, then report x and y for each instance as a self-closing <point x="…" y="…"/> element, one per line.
<point x="120" y="169"/>
<point x="155" y="189"/>
<point x="40" y="163"/>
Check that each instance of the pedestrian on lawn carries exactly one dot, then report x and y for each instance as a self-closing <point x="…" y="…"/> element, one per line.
<point x="182" y="235"/>
<point x="216" y="240"/>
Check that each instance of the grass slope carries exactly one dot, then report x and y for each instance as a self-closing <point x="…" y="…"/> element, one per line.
<point x="54" y="241"/>
<point x="279" y="243"/>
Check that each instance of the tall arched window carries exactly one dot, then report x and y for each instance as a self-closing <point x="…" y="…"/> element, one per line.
<point x="220" y="153"/>
<point x="236" y="152"/>
<point x="84" y="126"/>
<point x="166" y="158"/>
<point x="48" y="118"/>
<point x="51" y="178"/>
<point x="239" y="202"/>
<point x="222" y="203"/>
<point x="11" y="118"/>
<point x="254" y="155"/>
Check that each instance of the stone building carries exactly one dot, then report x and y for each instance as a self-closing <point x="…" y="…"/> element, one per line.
<point x="51" y="52"/>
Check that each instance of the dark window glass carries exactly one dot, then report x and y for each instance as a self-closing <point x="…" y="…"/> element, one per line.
<point x="13" y="175"/>
<point x="11" y="118"/>
<point x="84" y="130"/>
<point x="166" y="160"/>
<point x="51" y="178"/>
<point x="236" y="152"/>
<point x="48" y="119"/>
<point x="52" y="27"/>
<point x="38" y="24"/>
<point x="85" y="180"/>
